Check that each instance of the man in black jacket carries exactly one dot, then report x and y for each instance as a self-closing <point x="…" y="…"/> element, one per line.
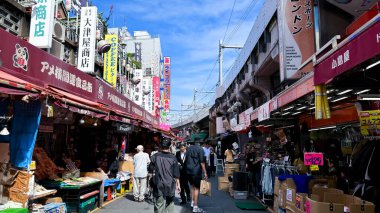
<point x="165" y="179"/>
<point x="181" y="156"/>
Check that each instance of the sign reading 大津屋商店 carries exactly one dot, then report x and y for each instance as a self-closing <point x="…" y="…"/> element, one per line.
<point x="87" y="39"/>
<point x="41" y="24"/>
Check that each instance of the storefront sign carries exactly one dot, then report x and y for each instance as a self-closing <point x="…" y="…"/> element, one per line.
<point x="36" y="66"/>
<point x="41" y="24"/>
<point x="110" y="60"/>
<point x="361" y="48"/>
<point x="296" y="92"/>
<point x="87" y="39"/>
<point x="124" y="128"/>
<point x="107" y="95"/>
<point x="370" y="124"/>
<point x="263" y="112"/>
<point x="165" y="126"/>
<point x="156" y="94"/>
<point x="313" y="158"/>
<point x="166" y="84"/>
<point x="296" y="37"/>
<point x="120" y="119"/>
<point x="254" y="114"/>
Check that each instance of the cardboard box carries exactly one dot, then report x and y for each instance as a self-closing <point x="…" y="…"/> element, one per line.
<point x="230" y="171"/>
<point x="282" y="197"/>
<point x="276" y="186"/>
<point x="275" y="203"/>
<point x="232" y="165"/>
<point x="231" y="189"/>
<point x="126" y="166"/>
<point x="318" y="193"/>
<point x="300" y="201"/>
<point x="223" y="184"/>
<point x="334" y="203"/>
<point x="290" y="196"/>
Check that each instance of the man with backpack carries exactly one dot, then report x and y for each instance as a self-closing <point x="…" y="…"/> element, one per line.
<point x="165" y="179"/>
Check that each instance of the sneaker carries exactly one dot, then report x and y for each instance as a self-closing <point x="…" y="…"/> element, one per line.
<point x="192" y="204"/>
<point x="198" y="210"/>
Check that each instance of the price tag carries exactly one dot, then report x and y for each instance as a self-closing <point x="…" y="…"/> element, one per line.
<point x="314" y="168"/>
<point x="313" y="158"/>
<point x="370" y="123"/>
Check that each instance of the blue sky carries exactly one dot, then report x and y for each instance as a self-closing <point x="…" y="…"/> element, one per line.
<point x="190" y="31"/>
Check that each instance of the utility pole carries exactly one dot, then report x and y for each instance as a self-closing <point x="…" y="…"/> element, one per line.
<point x="221" y="47"/>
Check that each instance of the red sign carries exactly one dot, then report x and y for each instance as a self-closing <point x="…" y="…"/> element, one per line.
<point x="361" y="48"/>
<point x="313" y="158"/>
<point x="296" y="92"/>
<point x="156" y="93"/>
<point x="26" y="61"/>
<point x="166" y="92"/>
<point x="107" y="95"/>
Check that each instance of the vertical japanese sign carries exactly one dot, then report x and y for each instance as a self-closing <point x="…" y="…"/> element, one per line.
<point x="41" y="24"/>
<point x="166" y="94"/>
<point x="296" y="37"/>
<point x="87" y="39"/>
<point x="264" y="112"/>
<point x="156" y="93"/>
<point x="110" y="60"/>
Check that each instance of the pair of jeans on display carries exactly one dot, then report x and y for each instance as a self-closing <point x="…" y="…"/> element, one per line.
<point x="267" y="179"/>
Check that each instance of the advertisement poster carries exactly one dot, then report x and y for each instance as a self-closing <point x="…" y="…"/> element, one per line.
<point x="296" y="37"/>
<point x="110" y="60"/>
<point x="370" y="124"/>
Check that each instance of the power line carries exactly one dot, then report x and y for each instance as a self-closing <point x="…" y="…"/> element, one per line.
<point x="229" y="20"/>
<point x="242" y="19"/>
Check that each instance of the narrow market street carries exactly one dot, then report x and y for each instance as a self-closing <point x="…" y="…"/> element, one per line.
<point x="219" y="202"/>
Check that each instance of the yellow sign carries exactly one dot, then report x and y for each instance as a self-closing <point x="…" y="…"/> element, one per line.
<point x="314" y="168"/>
<point x="370" y="123"/>
<point x="110" y="60"/>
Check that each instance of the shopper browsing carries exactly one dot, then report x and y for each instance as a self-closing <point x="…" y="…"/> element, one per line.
<point x="165" y="179"/>
<point x="185" y="190"/>
<point x="195" y="165"/>
<point x="141" y="161"/>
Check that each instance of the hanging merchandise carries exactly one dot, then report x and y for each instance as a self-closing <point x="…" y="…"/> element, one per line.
<point x="26" y="120"/>
<point x="322" y="109"/>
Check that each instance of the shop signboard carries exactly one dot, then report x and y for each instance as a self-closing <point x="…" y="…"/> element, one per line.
<point x="110" y="60"/>
<point x="156" y="94"/>
<point x="359" y="48"/>
<point x="296" y="37"/>
<point x="109" y="96"/>
<point x="124" y="128"/>
<point x="166" y="84"/>
<point x="120" y="119"/>
<point x="27" y="62"/>
<point x="41" y="24"/>
<point x="254" y="114"/>
<point x="313" y="158"/>
<point x="292" y="94"/>
<point x="263" y="112"/>
<point x="219" y="126"/>
<point x="370" y="124"/>
<point x="87" y="39"/>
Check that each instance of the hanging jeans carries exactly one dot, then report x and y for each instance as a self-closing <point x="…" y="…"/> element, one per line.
<point x="266" y="183"/>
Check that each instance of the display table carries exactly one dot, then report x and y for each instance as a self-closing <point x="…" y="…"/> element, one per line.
<point x="38" y="195"/>
<point x="80" y="195"/>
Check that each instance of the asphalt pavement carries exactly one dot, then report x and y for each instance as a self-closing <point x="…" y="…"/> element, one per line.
<point x="218" y="202"/>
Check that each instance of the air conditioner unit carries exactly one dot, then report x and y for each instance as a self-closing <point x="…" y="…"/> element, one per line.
<point x="57" y="49"/>
<point x="59" y="31"/>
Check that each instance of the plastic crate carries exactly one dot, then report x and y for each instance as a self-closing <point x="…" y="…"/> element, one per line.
<point x="87" y="205"/>
<point x="240" y="195"/>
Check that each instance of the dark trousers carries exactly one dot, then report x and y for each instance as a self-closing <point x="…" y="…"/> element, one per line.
<point x="185" y="189"/>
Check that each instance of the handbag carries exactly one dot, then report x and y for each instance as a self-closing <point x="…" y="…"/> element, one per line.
<point x="205" y="188"/>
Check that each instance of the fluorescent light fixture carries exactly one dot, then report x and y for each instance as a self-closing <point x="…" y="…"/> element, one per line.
<point x="269" y="125"/>
<point x="330" y="91"/>
<point x="345" y="91"/>
<point x="322" y="128"/>
<point x="369" y="97"/>
<point x="289" y="108"/>
<point x="276" y="113"/>
<point x="301" y="108"/>
<point x="363" y="91"/>
<point x="328" y="127"/>
<point x="259" y="125"/>
<point x="339" y="99"/>
<point x="312" y="108"/>
<point x="296" y="113"/>
<point x="329" y="98"/>
<point x="372" y="65"/>
<point x="81" y="121"/>
<point x="286" y="113"/>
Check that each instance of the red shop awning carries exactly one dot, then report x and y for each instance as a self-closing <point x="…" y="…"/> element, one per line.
<point x="74" y="97"/>
<point x="357" y="48"/>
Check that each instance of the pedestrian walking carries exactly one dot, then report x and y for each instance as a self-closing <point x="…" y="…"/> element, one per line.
<point x="211" y="169"/>
<point x="165" y="179"/>
<point x="195" y="165"/>
<point x="141" y="161"/>
<point x="185" y="189"/>
<point x="173" y="148"/>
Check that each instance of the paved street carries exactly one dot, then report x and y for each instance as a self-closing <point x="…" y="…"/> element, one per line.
<point x="219" y="202"/>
